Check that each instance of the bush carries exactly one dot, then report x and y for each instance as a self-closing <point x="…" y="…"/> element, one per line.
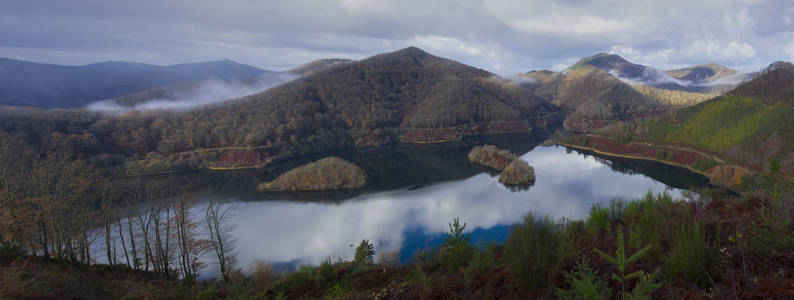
<point x="326" y="274"/>
<point x="598" y="221"/>
<point x="484" y="261"/>
<point x="644" y="217"/>
<point x="688" y="258"/>
<point x="491" y="156"/>
<point x="297" y="280"/>
<point x="771" y="231"/>
<point x="262" y="275"/>
<point x="583" y="283"/>
<point x="531" y="251"/>
<point x="456" y="252"/>
<point x="207" y="294"/>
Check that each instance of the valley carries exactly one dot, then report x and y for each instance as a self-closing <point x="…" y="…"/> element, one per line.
<point x="299" y="166"/>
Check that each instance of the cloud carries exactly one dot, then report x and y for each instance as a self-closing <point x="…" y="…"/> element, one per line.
<point x="790" y="50"/>
<point x="206" y="93"/>
<point x="506" y="36"/>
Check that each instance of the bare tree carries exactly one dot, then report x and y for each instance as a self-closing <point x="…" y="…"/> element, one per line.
<point x="221" y="241"/>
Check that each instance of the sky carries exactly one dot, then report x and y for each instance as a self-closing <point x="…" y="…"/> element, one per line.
<point x="502" y="36"/>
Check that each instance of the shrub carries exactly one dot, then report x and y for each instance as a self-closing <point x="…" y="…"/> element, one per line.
<point x="492" y="157"/>
<point x="262" y="275"/>
<point x="598" y="221"/>
<point x="484" y="261"/>
<point x="583" y="283"/>
<point x="297" y="280"/>
<point x="207" y="294"/>
<point x="531" y="251"/>
<point x="365" y="253"/>
<point x="456" y="252"/>
<point x="326" y="274"/>
<point x="688" y="257"/>
<point x="771" y="231"/>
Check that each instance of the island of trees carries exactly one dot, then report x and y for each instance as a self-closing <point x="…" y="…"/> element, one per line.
<point x="330" y="173"/>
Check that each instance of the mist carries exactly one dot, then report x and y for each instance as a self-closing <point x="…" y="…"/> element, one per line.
<point x="193" y="95"/>
<point x="652" y="76"/>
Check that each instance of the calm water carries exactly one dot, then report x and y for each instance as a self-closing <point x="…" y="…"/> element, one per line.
<point x="414" y="194"/>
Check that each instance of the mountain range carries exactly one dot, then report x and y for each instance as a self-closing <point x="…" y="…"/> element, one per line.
<point x="408" y="96"/>
<point x="46" y="85"/>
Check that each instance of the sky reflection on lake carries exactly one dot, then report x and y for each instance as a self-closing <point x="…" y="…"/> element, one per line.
<point x="289" y="233"/>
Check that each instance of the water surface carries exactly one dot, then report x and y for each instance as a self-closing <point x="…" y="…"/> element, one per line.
<point x="415" y="194"/>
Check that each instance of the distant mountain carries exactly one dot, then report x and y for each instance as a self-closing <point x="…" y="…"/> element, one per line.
<point x="594" y="98"/>
<point x="748" y="125"/>
<point x="773" y="85"/>
<point x="403" y="96"/>
<point x="192" y="94"/>
<point x="44" y="85"/>
<point x="703" y="73"/>
<point x="708" y="78"/>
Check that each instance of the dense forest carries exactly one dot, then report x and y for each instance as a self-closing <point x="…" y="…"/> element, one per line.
<point x="369" y="102"/>
<point x="749" y="125"/>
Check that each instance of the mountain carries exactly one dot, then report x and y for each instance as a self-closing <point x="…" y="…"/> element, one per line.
<point x="748" y="125"/>
<point x="773" y="85"/>
<point x="196" y="93"/>
<point x="594" y="98"/>
<point x="709" y="78"/>
<point x="45" y="85"/>
<point x="703" y="73"/>
<point x="404" y="96"/>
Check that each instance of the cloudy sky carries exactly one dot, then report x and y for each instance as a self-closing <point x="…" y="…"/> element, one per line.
<point x="503" y="36"/>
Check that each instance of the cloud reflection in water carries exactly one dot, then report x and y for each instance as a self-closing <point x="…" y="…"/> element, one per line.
<point x="293" y="233"/>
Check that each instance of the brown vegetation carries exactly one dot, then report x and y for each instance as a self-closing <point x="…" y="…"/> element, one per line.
<point x="492" y="157"/>
<point x="517" y="172"/>
<point x="330" y="173"/>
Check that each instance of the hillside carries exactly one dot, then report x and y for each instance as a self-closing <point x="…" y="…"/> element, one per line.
<point x="707" y="78"/>
<point x="44" y="85"/>
<point x="407" y="95"/>
<point x="594" y="98"/>
<point x="749" y="125"/>
<point x="196" y="93"/>
<point x="673" y="98"/>
<point x="773" y="85"/>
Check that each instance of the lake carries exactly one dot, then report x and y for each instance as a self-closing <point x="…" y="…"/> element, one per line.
<point x="415" y="191"/>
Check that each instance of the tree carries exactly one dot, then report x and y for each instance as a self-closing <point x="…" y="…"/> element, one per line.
<point x="219" y="231"/>
<point x="365" y="253"/>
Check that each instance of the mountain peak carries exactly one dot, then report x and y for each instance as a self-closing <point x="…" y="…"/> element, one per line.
<point x="601" y="60"/>
<point x="412" y="51"/>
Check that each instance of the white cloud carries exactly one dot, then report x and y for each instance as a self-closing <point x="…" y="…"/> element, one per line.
<point x="790" y="50"/>
<point x="510" y="35"/>
<point x="575" y="25"/>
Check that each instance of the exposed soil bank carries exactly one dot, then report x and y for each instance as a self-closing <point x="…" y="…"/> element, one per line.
<point x="716" y="170"/>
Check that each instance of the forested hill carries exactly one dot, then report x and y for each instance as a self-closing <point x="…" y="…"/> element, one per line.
<point x="45" y="85"/>
<point x="369" y="102"/>
<point x="595" y="98"/>
<point x="748" y="126"/>
<point x="407" y="95"/>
